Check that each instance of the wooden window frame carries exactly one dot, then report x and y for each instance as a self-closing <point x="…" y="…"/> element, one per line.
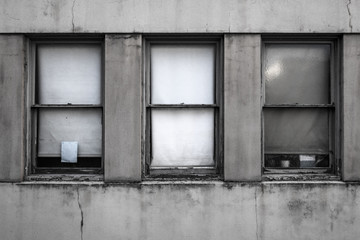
<point x="334" y="111"/>
<point x="33" y="171"/>
<point x="214" y="172"/>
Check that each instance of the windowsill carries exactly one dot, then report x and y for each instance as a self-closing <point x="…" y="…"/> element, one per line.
<point x="300" y="177"/>
<point x="99" y="179"/>
<point x="65" y="178"/>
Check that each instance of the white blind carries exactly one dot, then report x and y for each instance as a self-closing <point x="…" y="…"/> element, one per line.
<point x="69" y="73"/>
<point x="182" y="74"/>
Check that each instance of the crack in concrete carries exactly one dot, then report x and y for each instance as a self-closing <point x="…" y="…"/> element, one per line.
<point x="72" y="16"/>
<point x="350" y="16"/>
<point x="256" y="217"/>
<point x="81" y="213"/>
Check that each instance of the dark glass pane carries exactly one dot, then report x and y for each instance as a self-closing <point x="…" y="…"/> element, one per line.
<point x="296" y="161"/>
<point x="86" y="162"/>
<point x="296" y="130"/>
<point x="297" y="73"/>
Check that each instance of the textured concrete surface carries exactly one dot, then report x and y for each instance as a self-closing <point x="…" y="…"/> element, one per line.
<point x="242" y="153"/>
<point x="12" y="78"/>
<point x="184" y="16"/>
<point x="156" y="211"/>
<point x="351" y="133"/>
<point x="176" y="210"/>
<point x="122" y="155"/>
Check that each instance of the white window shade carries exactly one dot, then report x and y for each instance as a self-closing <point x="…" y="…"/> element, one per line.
<point x="182" y="137"/>
<point x="69" y="73"/>
<point x="182" y="74"/>
<point x="81" y="125"/>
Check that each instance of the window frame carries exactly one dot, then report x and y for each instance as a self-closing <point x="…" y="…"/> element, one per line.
<point x="333" y="109"/>
<point x="214" y="172"/>
<point x="31" y="167"/>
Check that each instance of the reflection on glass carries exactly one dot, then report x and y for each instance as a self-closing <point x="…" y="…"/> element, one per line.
<point x="273" y="71"/>
<point x="297" y="73"/>
<point x="182" y="137"/>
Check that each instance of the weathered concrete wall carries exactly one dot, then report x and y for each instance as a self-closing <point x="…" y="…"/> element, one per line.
<point x="211" y="211"/>
<point x="351" y="133"/>
<point x="122" y="108"/>
<point x="12" y="69"/>
<point x="182" y="16"/>
<point x="242" y="108"/>
<point x="181" y="210"/>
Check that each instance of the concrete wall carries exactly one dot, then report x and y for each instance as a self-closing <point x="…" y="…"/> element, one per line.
<point x="212" y="210"/>
<point x="182" y="16"/>
<point x="12" y="81"/>
<point x="201" y="210"/>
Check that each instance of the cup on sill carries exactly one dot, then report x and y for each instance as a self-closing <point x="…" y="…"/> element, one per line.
<point x="285" y="163"/>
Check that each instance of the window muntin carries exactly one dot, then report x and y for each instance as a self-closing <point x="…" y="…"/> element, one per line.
<point x="300" y="105"/>
<point x="67" y="106"/>
<point x="183" y="107"/>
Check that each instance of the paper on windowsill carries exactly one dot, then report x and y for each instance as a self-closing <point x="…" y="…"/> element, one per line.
<point x="69" y="152"/>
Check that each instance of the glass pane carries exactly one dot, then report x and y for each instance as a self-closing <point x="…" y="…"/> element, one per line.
<point x="296" y="130"/>
<point x="296" y="161"/>
<point x="69" y="73"/>
<point x="182" y="74"/>
<point x="182" y="137"/>
<point x="297" y="73"/>
<point x="81" y="125"/>
<point x="84" y="162"/>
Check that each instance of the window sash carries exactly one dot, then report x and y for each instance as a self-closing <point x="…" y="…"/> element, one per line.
<point x="332" y="106"/>
<point x="183" y="171"/>
<point x="36" y="107"/>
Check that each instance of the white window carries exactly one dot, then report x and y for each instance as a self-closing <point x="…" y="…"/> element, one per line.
<point x="67" y="107"/>
<point x="300" y="106"/>
<point x="183" y="107"/>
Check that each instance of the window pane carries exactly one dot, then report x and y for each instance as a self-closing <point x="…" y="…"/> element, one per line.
<point x="81" y="125"/>
<point x="296" y="130"/>
<point x="182" y="74"/>
<point x="297" y="73"/>
<point x="182" y="137"/>
<point x="69" y="73"/>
